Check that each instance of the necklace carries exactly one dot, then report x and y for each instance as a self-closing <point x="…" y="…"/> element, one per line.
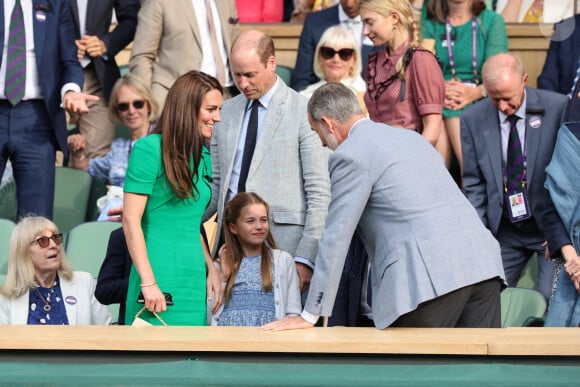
<point x="46" y="300"/>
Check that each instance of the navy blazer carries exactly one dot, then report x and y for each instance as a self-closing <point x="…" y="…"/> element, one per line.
<point x="314" y="26"/>
<point x="98" y="23"/>
<point x="56" y="57"/>
<point x="562" y="59"/>
<point x="113" y="280"/>
<point x="482" y="161"/>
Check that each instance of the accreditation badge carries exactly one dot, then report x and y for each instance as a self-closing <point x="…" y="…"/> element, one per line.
<point x="517" y="205"/>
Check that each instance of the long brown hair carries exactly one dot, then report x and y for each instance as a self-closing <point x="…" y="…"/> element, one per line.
<point x="235" y="253"/>
<point x="178" y="126"/>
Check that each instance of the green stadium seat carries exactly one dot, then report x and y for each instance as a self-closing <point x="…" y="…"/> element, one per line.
<point x="86" y="245"/>
<point x="6" y="227"/>
<point x="519" y="305"/>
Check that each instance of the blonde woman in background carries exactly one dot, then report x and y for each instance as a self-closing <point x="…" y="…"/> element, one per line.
<point x="337" y="58"/>
<point x="405" y="85"/>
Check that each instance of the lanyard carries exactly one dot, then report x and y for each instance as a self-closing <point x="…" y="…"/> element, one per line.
<point x="570" y="96"/>
<point x="473" y="49"/>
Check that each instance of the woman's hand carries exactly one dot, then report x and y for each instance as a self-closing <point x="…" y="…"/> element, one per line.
<point x="459" y="94"/>
<point x="154" y="299"/>
<point x="214" y="288"/>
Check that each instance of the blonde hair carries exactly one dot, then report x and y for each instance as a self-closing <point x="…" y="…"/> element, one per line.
<point x="404" y="10"/>
<point x="21" y="273"/>
<point x="342" y="38"/>
<point x="138" y="85"/>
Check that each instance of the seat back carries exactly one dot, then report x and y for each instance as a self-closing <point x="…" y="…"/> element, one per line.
<point x="6" y="227"/>
<point x="8" y="201"/>
<point x="86" y="245"/>
<point x="518" y="305"/>
<point x="72" y="189"/>
<point x="285" y="73"/>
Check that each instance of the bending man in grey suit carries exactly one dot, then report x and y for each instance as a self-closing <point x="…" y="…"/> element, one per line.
<point x="433" y="264"/>
<point x="287" y="166"/>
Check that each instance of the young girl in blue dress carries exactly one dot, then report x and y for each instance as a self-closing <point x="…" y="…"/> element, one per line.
<point x="263" y="284"/>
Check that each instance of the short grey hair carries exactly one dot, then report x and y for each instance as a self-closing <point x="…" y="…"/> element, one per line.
<point x="334" y="100"/>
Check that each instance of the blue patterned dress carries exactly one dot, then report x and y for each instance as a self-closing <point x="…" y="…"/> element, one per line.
<point x="249" y="304"/>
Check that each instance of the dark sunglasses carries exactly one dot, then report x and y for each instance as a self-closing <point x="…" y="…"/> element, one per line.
<point x="44" y="241"/>
<point x="329" y="53"/>
<point x="124" y="106"/>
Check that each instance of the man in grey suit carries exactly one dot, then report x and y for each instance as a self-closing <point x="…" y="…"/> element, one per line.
<point x="485" y="133"/>
<point x="433" y="264"/>
<point x="288" y="166"/>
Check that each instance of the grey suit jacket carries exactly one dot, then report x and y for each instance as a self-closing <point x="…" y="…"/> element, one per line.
<point x="422" y="236"/>
<point x="168" y="42"/>
<point x="288" y="169"/>
<point x="482" y="158"/>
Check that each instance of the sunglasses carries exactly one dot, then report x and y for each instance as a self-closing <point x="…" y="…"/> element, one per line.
<point x="44" y="241"/>
<point x="124" y="106"/>
<point x="329" y="53"/>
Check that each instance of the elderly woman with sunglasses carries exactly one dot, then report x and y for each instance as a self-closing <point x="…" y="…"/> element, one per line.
<point x="338" y="59"/>
<point x="40" y="286"/>
<point x="405" y="86"/>
<point x="131" y="105"/>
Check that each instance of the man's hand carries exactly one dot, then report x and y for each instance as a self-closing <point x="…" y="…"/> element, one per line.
<point x="294" y="322"/>
<point x="75" y="102"/>
<point x="305" y="275"/>
<point x="90" y="45"/>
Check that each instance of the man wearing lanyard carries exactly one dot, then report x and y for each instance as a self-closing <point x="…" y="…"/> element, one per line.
<point x="39" y="75"/>
<point x="507" y="140"/>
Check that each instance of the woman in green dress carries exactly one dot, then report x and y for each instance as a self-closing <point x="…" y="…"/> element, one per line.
<point x="167" y="188"/>
<point x="462" y="34"/>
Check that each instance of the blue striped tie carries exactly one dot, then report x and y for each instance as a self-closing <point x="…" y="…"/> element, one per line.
<point x="16" y="57"/>
<point x="515" y="157"/>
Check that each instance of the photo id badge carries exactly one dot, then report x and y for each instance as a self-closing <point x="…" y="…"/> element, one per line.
<point x="517" y="205"/>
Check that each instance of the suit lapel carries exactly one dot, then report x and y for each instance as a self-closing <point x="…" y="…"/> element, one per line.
<point x="91" y="4"/>
<point x="68" y="290"/>
<point x="75" y="15"/>
<point x="492" y="134"/>
<point x="533" y="135"/>
<point x="269" y="127"/>
<point x="225" y="24"/>
<point x="187" y="10"/>
<point x="39" y="28"/>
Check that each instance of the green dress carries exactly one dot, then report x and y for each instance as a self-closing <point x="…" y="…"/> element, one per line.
<point x="172" y="234"/>
<point x="491" y="39"/>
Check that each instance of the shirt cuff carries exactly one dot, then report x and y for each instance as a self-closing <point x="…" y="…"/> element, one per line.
<point x="304" y="261"/>
<point x="68" y="87"/>
<point x="311" y="318"/>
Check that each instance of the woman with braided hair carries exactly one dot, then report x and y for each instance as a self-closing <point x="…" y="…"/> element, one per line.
<point x="405" y="85"/>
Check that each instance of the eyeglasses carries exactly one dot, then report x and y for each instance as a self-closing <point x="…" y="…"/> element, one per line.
<point x="124" y="106"/>
<point x="329" y="53"/>
<point x="44" y="241"/>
